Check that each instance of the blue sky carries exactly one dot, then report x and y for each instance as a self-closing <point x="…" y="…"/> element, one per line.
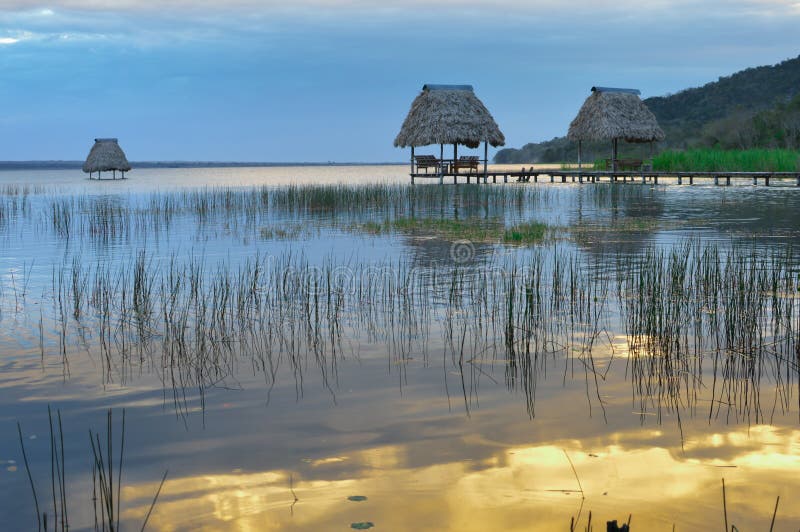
<point x="332" y="80"/>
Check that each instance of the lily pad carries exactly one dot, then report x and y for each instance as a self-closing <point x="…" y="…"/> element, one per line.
<point x="356" y="498"/>
<point x="362" y="526"/>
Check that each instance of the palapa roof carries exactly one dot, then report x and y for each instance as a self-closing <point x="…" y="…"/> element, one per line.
<point x="106" y="155"/>
<point x="615" y="114"/>
<point x="448" y="114"/>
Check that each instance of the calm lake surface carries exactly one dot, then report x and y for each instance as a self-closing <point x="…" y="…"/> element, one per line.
<point x="315" y="348"/>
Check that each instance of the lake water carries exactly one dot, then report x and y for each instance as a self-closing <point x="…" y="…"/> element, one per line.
<point x="297" y="352"/>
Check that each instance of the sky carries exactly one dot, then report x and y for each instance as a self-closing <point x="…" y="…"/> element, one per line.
<point x="332" y="80"/>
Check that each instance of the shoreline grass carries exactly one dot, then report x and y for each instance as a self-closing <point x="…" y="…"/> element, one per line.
<point x="711" y="160"/>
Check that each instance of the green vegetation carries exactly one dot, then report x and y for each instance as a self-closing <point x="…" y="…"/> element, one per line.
<point x="776" y="127"/>
<point x="710" y="160"/>
<point x="476" y="230"/>
<point x="525" y="232"/>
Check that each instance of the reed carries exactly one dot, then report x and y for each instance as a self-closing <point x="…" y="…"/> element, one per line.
<point x="106" y="478"/>
<point x="713" y="160"/>
<point x="682" y="309"/>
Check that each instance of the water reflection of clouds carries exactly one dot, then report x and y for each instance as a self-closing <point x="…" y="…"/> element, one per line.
<point x="512" y="488"/>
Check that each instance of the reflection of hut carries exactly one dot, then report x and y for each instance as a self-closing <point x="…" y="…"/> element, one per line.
<point x="613" y="114"/>
<point x="106" y="156"/>
<point x="448" y="114"/>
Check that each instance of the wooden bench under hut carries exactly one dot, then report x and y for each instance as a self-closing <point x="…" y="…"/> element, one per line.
<point x="427" y="161"/>
<point x="466" y="162"/>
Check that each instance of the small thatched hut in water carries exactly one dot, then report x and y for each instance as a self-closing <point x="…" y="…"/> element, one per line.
<point x="448" y="114"/>
<point x="106" y="156"/>
<point x="613" y="114"/>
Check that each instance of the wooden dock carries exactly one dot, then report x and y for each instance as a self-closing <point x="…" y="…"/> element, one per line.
<point x="554" y="175"/>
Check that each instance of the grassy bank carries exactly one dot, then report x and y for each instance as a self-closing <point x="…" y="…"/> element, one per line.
<point x="468" y="229"/>
<point x="708" y="160"/>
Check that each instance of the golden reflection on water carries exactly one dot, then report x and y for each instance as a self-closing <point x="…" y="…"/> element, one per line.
<point x="515" y="488"/>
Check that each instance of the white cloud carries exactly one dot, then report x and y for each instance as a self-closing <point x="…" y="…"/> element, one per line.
<point x="8" y="40"/>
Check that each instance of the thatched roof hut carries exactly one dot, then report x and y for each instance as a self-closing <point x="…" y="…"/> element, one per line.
<point x="448" y="114"/>
<point x="610" y="114"/>
<point x="106" y="156"/>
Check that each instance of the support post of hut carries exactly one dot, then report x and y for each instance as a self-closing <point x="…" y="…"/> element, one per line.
<point x="412" y="165"/>
<point x="485" y="160"/>
<point x="455" y="163"/>
<point x="614" y="157"/>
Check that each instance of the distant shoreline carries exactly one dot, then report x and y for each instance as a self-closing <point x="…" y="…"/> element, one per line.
<point x="73" y="165"/>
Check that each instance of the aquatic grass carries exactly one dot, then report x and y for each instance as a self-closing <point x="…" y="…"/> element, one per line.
<point x="480" y="230"/>
<point x="195" y="321"/>
<point x="525" y="233"/>
<point x="249" y="212"/>
<point x="476" y="230"/>
<point x="106" y="486"/>
<point x="714" y="160"/>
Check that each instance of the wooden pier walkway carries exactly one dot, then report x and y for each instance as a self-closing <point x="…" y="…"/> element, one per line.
<point x="554" y="175"/>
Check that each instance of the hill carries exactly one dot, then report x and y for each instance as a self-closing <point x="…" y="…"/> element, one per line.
<point x="755" y="108"/>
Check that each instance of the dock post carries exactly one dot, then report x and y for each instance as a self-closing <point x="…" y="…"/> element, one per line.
<point x="716" y="180"/>
<point x="655" y="179"/>
<point x="486" y="160"/>
<point x="766" y="181"/>
<point x="691" y="180"/>
<point x="680" y="179"/>
<point x="727" y="180"/>
<point x="755" y="181"/>
<point x="412" y="164"/>
<point x="580" y="178"/>
<point x="552" y="178"/>
<point x="563" y="178"/>
<point x="798" y="181"/>
<point x="536" y="179"/>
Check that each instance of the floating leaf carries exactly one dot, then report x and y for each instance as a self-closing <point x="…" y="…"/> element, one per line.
<point x="357" y="498"/>
<point x="362" y="526"/>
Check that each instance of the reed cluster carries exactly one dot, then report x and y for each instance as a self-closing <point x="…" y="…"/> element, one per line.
<point x="714" y="160"/>
<point x="687" y="311"/>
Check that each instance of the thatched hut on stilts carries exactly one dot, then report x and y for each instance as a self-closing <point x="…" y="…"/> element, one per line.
<point x="613" y="114"/>
<point x="448" y="114"/>
<point x="106" y="156"/>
